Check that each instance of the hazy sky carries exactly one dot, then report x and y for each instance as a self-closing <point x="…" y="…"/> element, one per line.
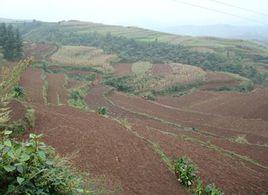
<point x="144" y="13"/>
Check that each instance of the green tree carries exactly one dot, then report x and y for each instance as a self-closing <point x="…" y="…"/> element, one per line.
<point x="11" y="42"/>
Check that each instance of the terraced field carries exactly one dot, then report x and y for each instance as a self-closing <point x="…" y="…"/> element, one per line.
<point x="132" y="148"/>
<point x="150" y="129"/>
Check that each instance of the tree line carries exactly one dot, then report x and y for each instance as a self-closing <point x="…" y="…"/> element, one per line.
<point x="11" y="42"/>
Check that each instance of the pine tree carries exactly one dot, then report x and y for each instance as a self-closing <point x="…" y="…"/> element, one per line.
<point x="11" y="42"/>
<point x="9" y="45"/>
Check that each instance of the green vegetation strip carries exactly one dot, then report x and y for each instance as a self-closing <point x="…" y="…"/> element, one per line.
<point x="45" y="87"/>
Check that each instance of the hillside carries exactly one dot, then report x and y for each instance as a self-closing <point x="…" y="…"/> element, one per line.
<point x="236" y="56"/>
<point x="126" y="103"/>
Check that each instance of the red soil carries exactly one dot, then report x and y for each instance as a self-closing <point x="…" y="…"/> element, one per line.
<point x="57" y="94"/>
<point x="193" y="119"/>
<point x="17" y="110"/>
<point x="241" y="173"/>
<point x="215" y="80"/>
<point x="39" y="50"/>
<point x="127" y="158"/>
<point x="33" y="85"/>
<point x="161" y="69"/>
<point x="253" y="105"/>
<point x="122" y="69"/>
<point x="233" y="176"/>
<point x="106" y="148"/>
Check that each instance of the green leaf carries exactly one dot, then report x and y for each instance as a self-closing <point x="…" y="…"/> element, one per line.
<point x="20" y="168"/>
<point x="24" y="157"/>
<point x="11" y="154"/>
<point x="7" y="143"/>
<point x="9" y="168"/>
<point x="49" y="162"/>
<point x="20" y="180"/>
<point x="42" y="154"/>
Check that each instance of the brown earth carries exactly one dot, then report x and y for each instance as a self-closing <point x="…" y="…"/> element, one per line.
<point x="33" y="85"/>
<point x="125" y="147"/>
<point x="141" y="125"/>
<point x="252" y="105"/>
<point x="39" y="50"/>
<point x="57" y="94"/>
<point x="104" y="148"/>
<point x="122" y="69"/>
<point x="17" y="110"/>
<point x="191" y="118"/>
<point x="214" y="80"/>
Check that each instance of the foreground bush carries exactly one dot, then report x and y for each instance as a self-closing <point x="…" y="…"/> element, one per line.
<point x="32" y="167"/>
<point x="185" y="171"/>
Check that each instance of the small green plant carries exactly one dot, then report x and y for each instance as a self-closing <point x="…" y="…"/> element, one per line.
<point x="199" y="187"/>
<point x="102" y="110"/>
<point x="185" y="171"/>
<point x="211" y="189"/>
<point x="18" y="91"/>
<point x="31" y="167"/>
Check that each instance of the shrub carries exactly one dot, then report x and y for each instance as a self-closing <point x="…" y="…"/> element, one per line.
<point x="18" y="91"/>
<point x="185" y="171"/>
<point x="102" y="110"/>
<point x="31" y="167"/>
<point x="211" y="189"/>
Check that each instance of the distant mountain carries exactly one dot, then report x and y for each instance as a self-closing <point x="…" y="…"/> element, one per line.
<point x="256" y="33"/>
<point x="7" y="20"/>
